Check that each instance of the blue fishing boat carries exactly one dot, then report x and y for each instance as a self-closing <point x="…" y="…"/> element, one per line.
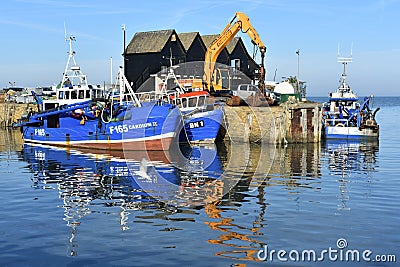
<point x="122" y="122"/>
<point x="344" y="117"/>
<point x="202" y="120"/>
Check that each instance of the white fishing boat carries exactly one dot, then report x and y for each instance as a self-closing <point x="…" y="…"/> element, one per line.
<point x="74" y="87"/>
<point x="344" y="117"/>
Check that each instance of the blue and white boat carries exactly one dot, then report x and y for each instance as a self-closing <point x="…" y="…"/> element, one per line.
<point x="202" y="121"/>
<point x="344" y="117"/>
<point x="120" y="123"/>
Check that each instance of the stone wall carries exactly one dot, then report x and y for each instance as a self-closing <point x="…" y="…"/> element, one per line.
<point x="10" y="113"/>
<point x="295" y="122"/>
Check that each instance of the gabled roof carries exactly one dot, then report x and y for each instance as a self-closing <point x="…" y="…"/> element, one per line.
<point x="208" y="39"/>
<point x="232" y="44"/>
<point x="187" y="39"/>
<point x="149" y="42"/>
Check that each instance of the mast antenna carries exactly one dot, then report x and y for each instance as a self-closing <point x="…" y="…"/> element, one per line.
<point x="65" y="32"/>
<point x="351" y="50"/>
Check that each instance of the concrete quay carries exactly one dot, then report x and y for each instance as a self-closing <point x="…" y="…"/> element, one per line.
<point x="10" y="113"/>
<point x="291" y="122"/>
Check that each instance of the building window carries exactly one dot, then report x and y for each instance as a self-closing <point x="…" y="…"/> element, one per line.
<point x="235" y="64"/>
<point x="164" y="69"/>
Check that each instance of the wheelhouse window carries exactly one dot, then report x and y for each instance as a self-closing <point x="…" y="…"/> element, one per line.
<point x="178" y="102"/>
<point x="202" y="101"/>
<point x="193" y="102"/>
<point x="81" y="94"/>
<point x="184" y="103"/>
<point x="74" y="94"/>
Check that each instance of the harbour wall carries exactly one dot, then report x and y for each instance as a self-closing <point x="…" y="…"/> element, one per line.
<point x="10" y="113"/>
<point x="291" y="122"/>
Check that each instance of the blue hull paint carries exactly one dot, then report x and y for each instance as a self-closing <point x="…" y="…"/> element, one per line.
<point x="351" y="137"/>
<point x="203" y="126"/>
<point x="150" y="124"/>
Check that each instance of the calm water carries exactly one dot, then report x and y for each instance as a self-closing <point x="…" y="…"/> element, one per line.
<point x="217" y="206"/>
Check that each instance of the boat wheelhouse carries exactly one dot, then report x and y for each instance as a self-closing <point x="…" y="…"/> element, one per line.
<point x="74" y="86"/>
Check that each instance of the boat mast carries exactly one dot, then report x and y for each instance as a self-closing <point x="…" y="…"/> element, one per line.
<point x="75" y="71"/>
<point x="344" y="87"/>
<point x="70" y="56"/>
<point x="126" y="90"/>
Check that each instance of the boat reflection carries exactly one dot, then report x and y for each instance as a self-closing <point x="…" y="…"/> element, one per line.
<point x="349" y="160"/>
<point x="89" y="181"/>
<point x="345" y="157"/>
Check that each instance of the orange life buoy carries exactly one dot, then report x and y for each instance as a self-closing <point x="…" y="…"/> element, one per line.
<point x="77" y="113"/>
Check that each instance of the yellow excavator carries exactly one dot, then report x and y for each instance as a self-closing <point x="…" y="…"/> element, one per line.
<point x="214" y="80"/>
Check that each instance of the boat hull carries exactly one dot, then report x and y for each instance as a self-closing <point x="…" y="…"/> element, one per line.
<point x="143" y="128"/>
<point x="158" y="143"/>
<point x="353" y="133"/>
<point x="202" y="127"/>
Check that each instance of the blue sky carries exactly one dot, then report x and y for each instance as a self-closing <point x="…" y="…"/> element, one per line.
<point x="34" y="52"/>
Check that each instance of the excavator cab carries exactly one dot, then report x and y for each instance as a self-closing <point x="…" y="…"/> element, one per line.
<point x="221" y="80"/>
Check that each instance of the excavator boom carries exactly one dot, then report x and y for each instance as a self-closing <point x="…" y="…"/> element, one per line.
<point x="239" y="22"/>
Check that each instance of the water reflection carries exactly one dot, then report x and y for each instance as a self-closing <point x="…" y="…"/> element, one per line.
<point x="297" y="166"/>
<point x="291" y="167"/>
<point x="294" y="170"/>
<point x="153" y="181"/>
<point x="234" y="185"/>
<point x="349" y="160"/>
<point x="10" y="140"/>
<point x="349" y="157"/>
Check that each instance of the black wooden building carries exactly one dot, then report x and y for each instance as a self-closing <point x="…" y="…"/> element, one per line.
<point x="150" y="52"/>
<point x="194" y="46"/>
